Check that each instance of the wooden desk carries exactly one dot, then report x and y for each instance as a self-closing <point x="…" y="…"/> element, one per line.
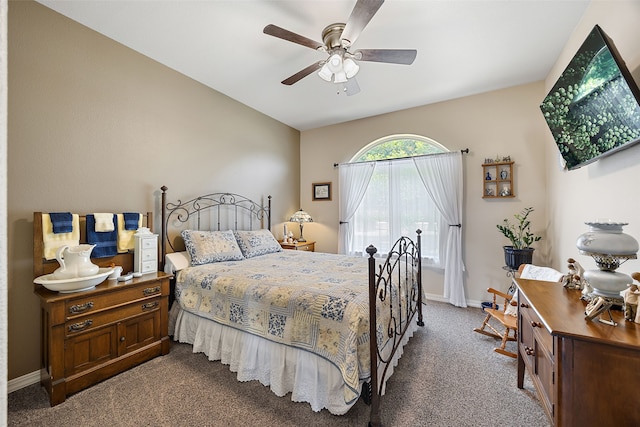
<point x="585" y="372"/>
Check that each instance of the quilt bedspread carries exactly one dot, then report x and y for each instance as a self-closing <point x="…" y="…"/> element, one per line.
<point x="313" y="301"/>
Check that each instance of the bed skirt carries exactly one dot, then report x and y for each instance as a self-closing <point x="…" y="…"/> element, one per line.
<point x="308" y="377"/>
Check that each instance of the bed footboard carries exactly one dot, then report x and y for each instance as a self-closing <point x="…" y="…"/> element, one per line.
<point x="395" y="287"/>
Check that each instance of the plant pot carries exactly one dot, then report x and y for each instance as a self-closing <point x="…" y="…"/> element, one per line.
<point x="514" y="257"/>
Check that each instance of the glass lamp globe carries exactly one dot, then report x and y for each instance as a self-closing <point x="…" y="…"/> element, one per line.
<point x="609" y="247"/>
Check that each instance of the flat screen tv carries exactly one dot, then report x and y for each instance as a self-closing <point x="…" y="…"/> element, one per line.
<point x="593" y="110"/>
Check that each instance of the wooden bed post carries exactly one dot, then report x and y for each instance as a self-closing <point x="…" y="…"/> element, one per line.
<point x="374" y="419"/>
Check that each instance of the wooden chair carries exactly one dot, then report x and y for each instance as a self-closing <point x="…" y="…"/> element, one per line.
<point x="507" y="330"/>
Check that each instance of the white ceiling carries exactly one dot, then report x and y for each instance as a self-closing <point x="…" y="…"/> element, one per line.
<point x="464" y="48"/>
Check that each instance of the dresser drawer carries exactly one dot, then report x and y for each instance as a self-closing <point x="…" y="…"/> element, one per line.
<point x="149" y="244"/>
<point x="95" y="303"/>
<point x="148" y="256"/>
<point x="98" y="319"/>
<point x="149" y="266"/>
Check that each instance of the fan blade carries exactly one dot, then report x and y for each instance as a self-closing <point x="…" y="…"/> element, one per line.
<point x="281" y="33"/>
<point x="302" y="73"/>
<point x="391" y="56"/>
<point x="352" y="87"/>
<point x="361" y="14"/>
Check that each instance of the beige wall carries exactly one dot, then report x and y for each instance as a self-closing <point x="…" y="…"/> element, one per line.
<point x="505" y="122"/>
<point x="94" y="126"/>
<point x="606" y="188"/>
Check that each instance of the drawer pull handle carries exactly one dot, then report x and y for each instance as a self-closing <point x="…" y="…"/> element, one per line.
<point x="151" y="291"/>
<point x="524" y="305"/>
<point x="81" y="308"/>
<point x="150" y="305"/>
<point x="529" y="351"/>
<point x="77" y="327"/>
<point x="536" y="324"/>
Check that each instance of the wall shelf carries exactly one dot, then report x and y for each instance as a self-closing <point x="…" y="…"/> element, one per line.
<point x="497" y="180"/>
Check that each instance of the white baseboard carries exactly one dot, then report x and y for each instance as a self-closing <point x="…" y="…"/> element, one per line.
<point x="440" y="298"/>
<point x="23" y="381"/>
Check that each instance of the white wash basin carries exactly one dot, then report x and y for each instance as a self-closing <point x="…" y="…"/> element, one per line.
<point x="75" y="284"/>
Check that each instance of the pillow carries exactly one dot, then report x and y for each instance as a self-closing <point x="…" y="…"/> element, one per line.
<point x="257" y="242"/>
<point x="176" y="261"/>
<point x="512" y="306"/>
<point x="211" y="246"/>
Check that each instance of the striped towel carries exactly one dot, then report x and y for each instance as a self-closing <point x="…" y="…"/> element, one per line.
<point x="106" y="241"/>
<point x="62" y="222"/>
<point x="104" y="222"/>
<point x="53" y="241"/>
<point x="125" y="237"/>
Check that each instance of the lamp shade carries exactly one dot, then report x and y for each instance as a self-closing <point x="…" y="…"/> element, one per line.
<point x="350" y="67"/>
<point x="300" y="216"/>
<point x="607" y="238"/>
<point x="325" y="73"/>
<point x="335" y="63"/>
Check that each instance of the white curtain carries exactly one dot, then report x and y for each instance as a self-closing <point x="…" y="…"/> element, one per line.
<point x="442" y="176"/>
<point x="395" y="204"/>
<point x="354" y="180"/>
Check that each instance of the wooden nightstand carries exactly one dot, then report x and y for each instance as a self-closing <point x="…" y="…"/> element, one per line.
<point x="92" y="335"/>
<point x="300" y="246"/>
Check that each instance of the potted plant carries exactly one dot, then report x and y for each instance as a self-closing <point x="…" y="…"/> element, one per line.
<point x="520" y="235"/>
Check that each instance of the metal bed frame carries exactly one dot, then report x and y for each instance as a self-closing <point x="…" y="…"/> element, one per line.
<point x="387" y="282"/>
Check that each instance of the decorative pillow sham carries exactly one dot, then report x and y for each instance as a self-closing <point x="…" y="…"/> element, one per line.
<point x="205" y="247"/>
<point x="257" y="242"/>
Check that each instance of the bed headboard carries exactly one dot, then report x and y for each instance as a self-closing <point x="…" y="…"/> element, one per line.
<point x="43" y="266"/>
<point x="215" y="211"/>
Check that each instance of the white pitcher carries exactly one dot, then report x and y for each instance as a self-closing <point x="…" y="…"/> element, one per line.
<point x="75" y="261"/>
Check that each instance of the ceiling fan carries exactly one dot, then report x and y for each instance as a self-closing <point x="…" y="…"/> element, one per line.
<point x="341" y="66"/>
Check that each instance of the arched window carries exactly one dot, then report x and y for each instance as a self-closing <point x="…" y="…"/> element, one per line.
<point x="395" y="201"/>
<point x="398" y="146"/>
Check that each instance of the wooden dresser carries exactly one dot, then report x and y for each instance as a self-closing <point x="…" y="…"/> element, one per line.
<point x="91" y="335"/>
<point x="585" y="372"/>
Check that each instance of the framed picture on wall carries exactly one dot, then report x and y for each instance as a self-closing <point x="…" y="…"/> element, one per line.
<point x="321" y="190"/>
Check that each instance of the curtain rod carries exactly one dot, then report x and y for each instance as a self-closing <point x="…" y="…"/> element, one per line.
<point x="463" y="151"/>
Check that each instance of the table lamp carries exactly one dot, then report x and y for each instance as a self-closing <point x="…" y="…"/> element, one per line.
<point x="301" y="217"/>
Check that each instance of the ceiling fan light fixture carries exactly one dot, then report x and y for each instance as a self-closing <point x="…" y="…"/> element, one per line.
<point x="350" y="67"/>
<point x="335" y="63"/>
<point x="325" y="73"/>
<point x="340" y="77"/>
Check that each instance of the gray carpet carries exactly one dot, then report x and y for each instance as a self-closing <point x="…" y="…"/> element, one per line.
<point x="447" y="376"/>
